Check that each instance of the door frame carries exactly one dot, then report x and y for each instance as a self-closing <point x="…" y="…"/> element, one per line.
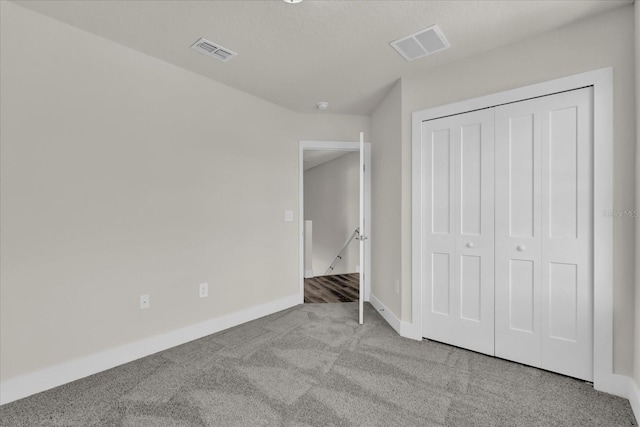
<point x="602" y="82"/>
<point x="334" y="146"/>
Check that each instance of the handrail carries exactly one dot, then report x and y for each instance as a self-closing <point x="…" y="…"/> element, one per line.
<point x="338" y="257"/>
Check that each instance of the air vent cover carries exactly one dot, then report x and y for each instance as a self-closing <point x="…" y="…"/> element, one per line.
<point x="423" y="43"/>
<point x="215" y="51"/>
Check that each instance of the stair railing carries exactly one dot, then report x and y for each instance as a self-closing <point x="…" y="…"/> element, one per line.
<point x="338" y="258"/>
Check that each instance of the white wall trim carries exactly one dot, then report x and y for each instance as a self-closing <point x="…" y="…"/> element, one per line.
<point x="634" y="398"/>
<point x="386" y="314"/>
<point x="404" y="329"/>
<point x="333" y="146"/>
<point x="45" y="379"/>
<point x="602" y="82"/>
<point x="411" y="331"/>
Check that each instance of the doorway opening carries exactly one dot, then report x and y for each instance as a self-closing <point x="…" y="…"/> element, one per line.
<point x="331" y="229"/>
<point x="334" y="212"/>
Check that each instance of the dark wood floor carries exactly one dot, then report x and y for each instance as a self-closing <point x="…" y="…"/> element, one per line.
<point x="335" y="288"/>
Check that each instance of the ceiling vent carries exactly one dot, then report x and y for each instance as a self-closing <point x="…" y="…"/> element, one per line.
<point x="422" y="43"/>
<point x="211" y="49"/>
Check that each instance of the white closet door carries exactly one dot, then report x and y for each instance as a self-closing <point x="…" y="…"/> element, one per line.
<point x="517" y="281"/>
<point x="458" y="230"/>
<point x="544" y="291"/>
<point x="567" y="237"/>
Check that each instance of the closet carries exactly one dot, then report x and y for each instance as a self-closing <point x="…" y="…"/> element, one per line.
<point x="507" y="231"/>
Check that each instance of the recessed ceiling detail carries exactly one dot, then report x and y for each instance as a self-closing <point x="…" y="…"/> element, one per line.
<point x="423" y="43"/>
<point x="215" y="51"/>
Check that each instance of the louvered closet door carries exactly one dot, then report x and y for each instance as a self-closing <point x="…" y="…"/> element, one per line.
<point x="457" y="160"/>
<point x="544" y="291"/>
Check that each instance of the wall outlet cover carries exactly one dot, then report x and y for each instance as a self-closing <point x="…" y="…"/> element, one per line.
<point x="145" y="301"/>
<point x="204" y="290"/>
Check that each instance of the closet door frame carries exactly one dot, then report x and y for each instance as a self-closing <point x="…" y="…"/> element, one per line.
<point x="602" y="82"/>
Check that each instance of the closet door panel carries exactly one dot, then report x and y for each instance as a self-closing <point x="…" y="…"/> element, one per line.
<point x="471" y="288"/>
<point x="470" y="186"/>
<point x="439" y="239"/>
<point x="458" y="241"/>
<point x="442" y="285"/>
<point x="475" y="243"/>
<point x="471" y="180"/>
<point x="561" y="148"/>
<point x="544" y="311"/>
<point x="563" y="301"/>
<point x="567" y="224"/>
<point x="522" y="296"/>
<point x="517" y="275"/>
<point x="521" y="175"/>
<point x="441" y="166"/>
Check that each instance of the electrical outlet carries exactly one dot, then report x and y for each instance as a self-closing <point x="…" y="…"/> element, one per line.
<point x="397" y="286"/>
<point x="145" y="301"/>
<point x="204" y="290"/>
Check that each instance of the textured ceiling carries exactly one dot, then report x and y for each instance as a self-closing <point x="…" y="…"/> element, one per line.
<point x="295" y="55"/>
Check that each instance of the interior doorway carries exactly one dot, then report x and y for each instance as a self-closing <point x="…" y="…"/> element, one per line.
<point x="331" y="216"/>
<point x="334" y="213"/>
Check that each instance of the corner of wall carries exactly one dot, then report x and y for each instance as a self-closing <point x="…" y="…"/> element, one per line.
<point x="636" y="357"/>
<point x="386" y="200"/>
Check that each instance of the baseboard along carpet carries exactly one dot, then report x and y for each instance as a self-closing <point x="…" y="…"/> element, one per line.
<point x="334" y="288"/>
<point x="313" y="365"/>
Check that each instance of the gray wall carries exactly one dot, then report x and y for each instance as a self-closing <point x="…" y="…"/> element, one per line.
<point x="332" y="202"/>
<point x="123" y="175"/>
<point x="386" y="136"/>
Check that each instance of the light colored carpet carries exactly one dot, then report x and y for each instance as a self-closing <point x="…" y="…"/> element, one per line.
<point x="313" y="365"/>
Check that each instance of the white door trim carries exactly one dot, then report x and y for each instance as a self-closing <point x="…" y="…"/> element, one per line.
<point x="333" y="146"/>
<point x="602" y="82"/>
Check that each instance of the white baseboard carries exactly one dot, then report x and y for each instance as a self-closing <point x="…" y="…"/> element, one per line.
<point x="45" y="379"/>
<point x="308" y="274"/>
<point x="615" y="384"/>
<point x="404" y="329"/>
<point x="634" y="399"/>
<point x="386" y="314"/>
<point x="623" y="386"/>
<point x="409" y="330"/>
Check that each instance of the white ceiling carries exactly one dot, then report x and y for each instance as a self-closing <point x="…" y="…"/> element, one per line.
<point x="295" y="55"/>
